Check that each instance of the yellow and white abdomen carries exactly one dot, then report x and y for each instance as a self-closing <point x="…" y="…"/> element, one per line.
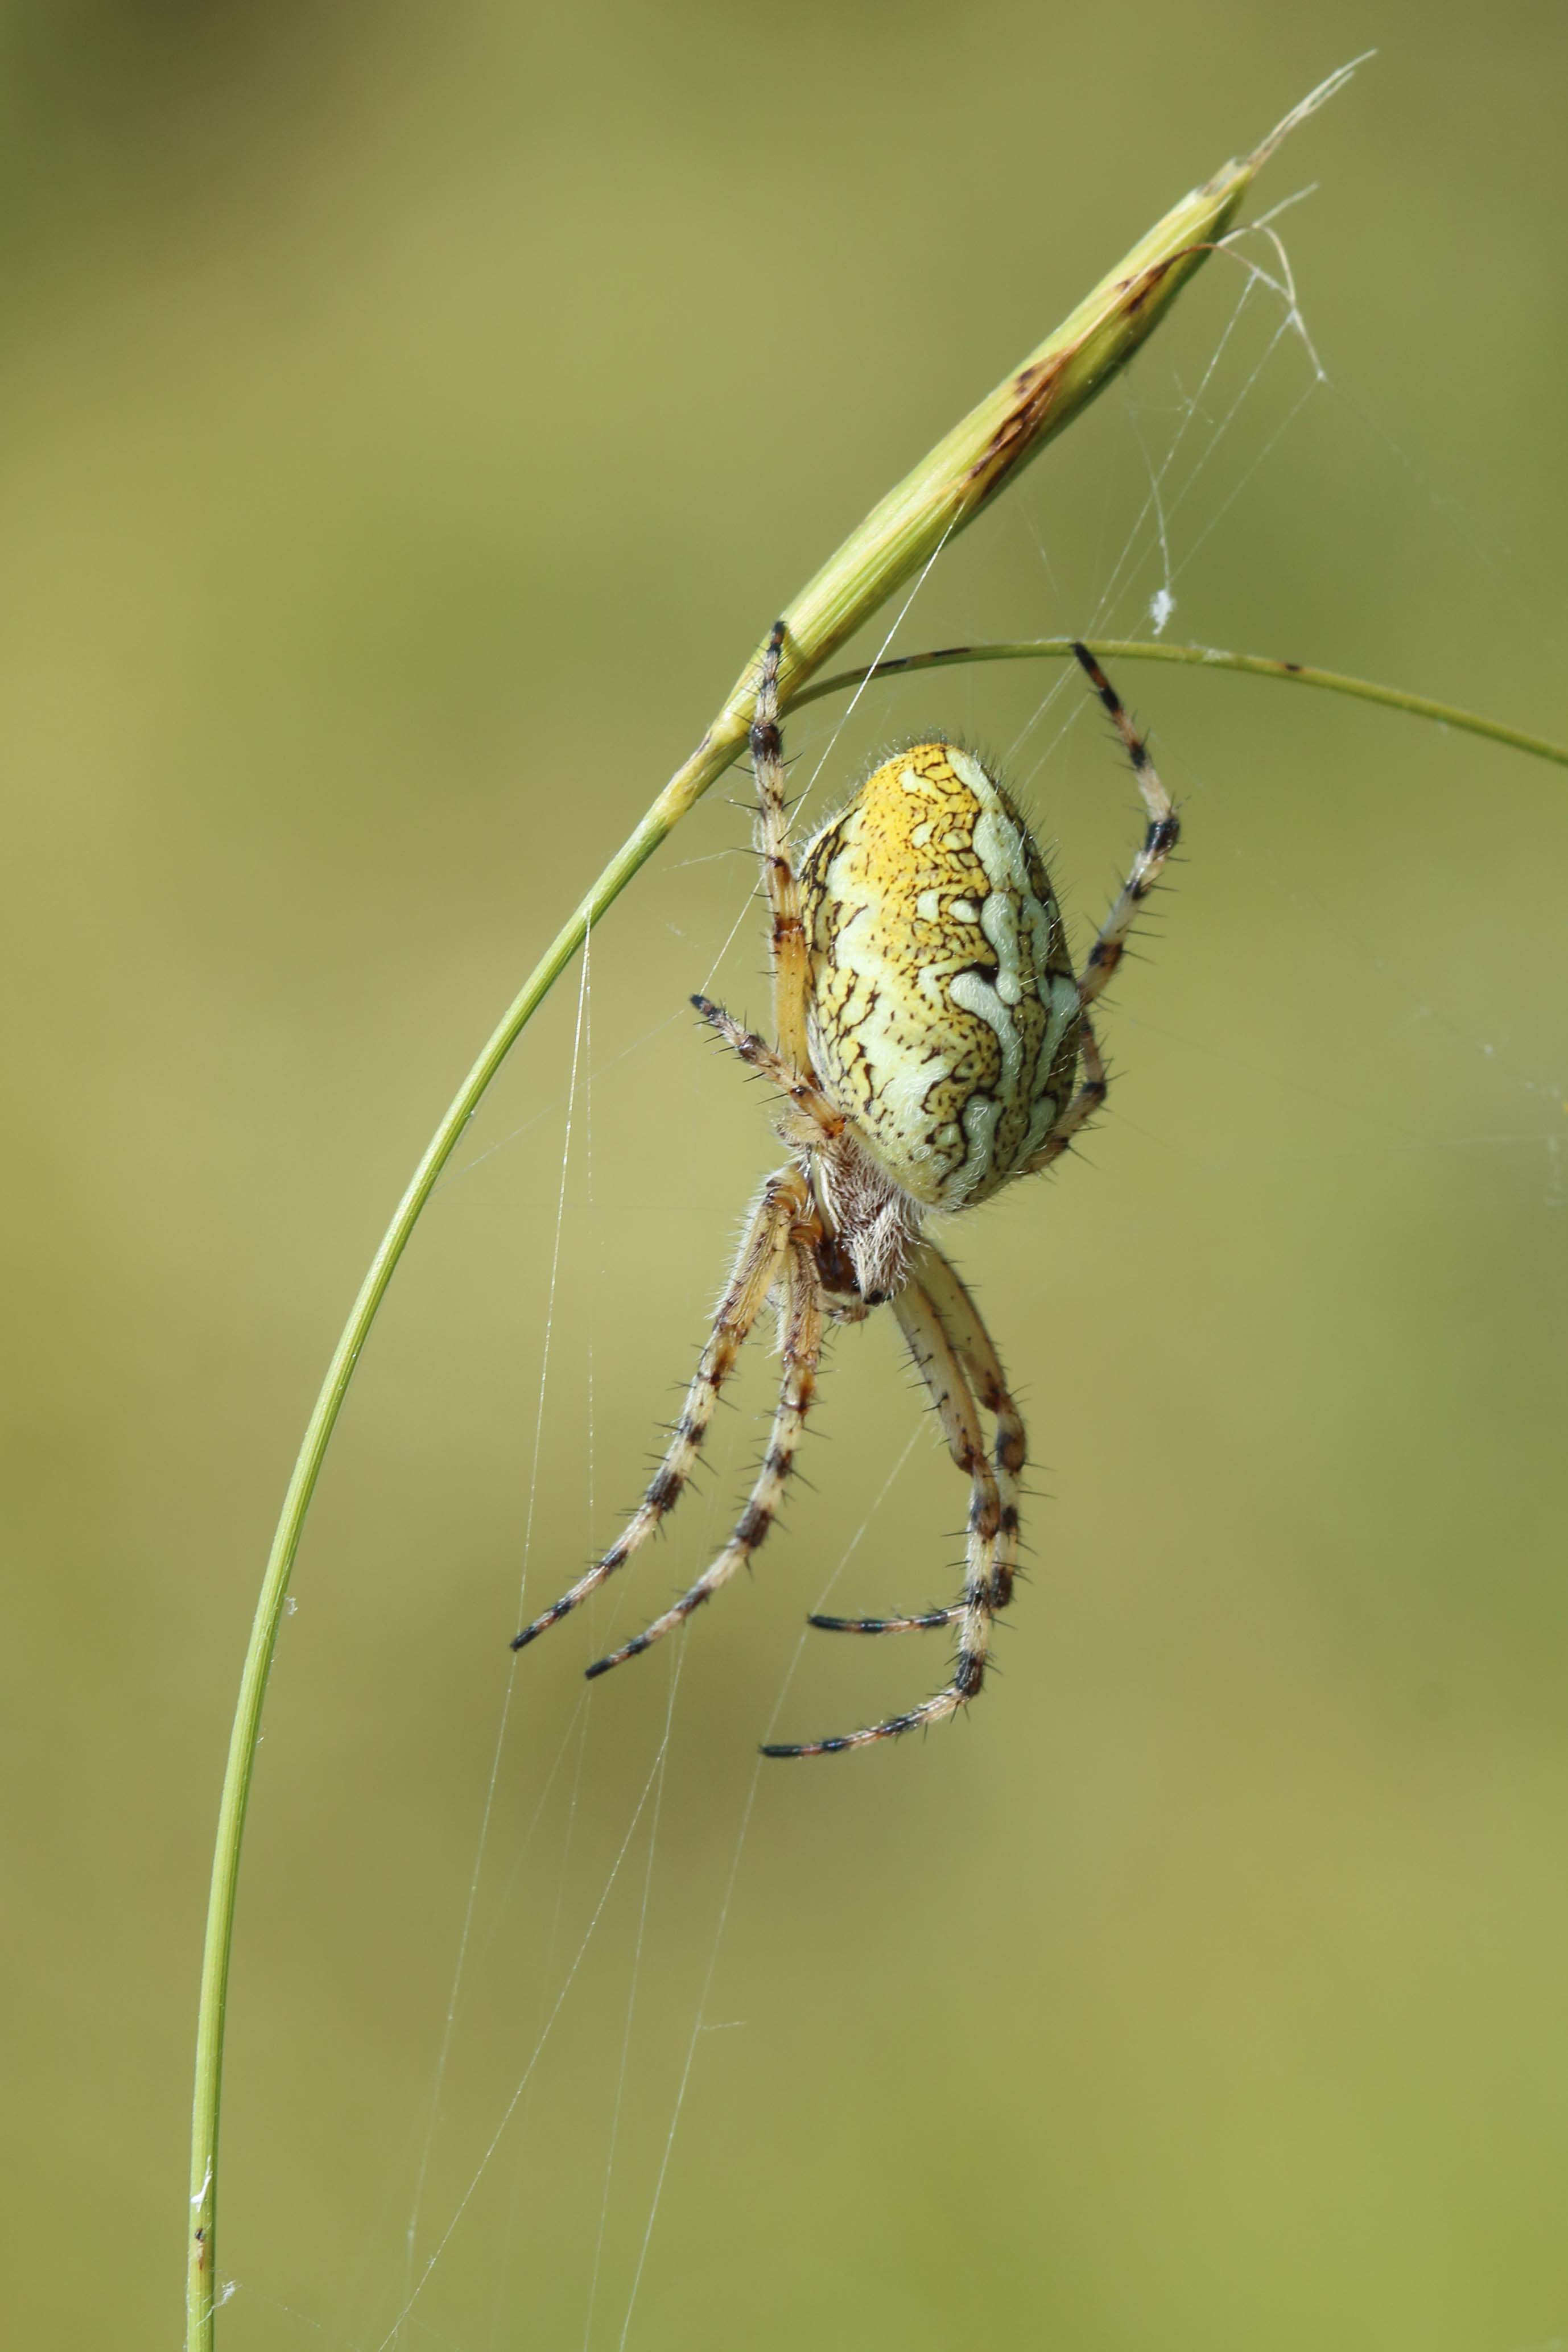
<point x="944" y="1014"/>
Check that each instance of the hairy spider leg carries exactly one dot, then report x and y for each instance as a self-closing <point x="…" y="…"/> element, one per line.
<point x="802" y="1093"/>
<point x="757" y="1267"/>
<point x="1089" y="1097"/>
<point x="972" y="1343"/>
<point x="1161" y="836"/>
<point x="787" y="937"/>
<point x="802" y="1352"/>
<point x="1163" y="833"/>
<point x="947" y="1384"/>
<point x="976" y="1352"/>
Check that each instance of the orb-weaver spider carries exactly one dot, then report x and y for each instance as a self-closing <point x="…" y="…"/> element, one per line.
<point x="929" y="1031"/>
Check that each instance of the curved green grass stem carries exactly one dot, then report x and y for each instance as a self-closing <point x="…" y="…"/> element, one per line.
<point x="1123" y="649"/>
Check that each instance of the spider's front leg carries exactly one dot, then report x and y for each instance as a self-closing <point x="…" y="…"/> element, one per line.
<point x="1163" y="831"/>
<point x="787" y="937"/>
<point x="817" y="1119"/>
<point x="757" y="1268"/>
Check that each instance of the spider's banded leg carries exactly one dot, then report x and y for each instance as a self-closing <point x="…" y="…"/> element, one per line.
<point x="1087" y="1099"/>
<point x="930" y="1621"/>
<point x="976" y="1352"/>
<point x="802" y="1353"/>
<point x="1163" y="833"/>
<point x="936" y="1359"/>
<point x="786" y="942"/>
<point x="756" y="1270"/>
<point x="940" y="1367"/>
<point x="802" y="1092"/>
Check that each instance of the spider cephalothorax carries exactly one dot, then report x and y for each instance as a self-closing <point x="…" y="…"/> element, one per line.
<point x="934" y="1042"/>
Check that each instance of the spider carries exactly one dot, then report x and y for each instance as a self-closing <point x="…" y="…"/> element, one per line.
<point x="932" y="1043"/>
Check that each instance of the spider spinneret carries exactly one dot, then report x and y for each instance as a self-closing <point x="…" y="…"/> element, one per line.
<point x="932" y="1043"/>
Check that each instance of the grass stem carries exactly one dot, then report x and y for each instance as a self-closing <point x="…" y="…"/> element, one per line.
<point x="1124" y="649"/>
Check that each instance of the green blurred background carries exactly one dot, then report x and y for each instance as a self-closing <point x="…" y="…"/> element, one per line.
<point x="413" y="417"/>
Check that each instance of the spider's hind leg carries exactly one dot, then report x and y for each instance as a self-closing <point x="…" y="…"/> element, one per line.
<point x="930" y="1621"/>
<point x="949" y="1345"/>
<point x="960" y="1319"/>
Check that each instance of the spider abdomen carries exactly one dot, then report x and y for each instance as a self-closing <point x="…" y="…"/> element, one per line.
<point x="943" y="1010"/>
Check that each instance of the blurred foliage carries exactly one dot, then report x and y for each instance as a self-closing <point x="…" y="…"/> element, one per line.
<point x="413" y="416"/>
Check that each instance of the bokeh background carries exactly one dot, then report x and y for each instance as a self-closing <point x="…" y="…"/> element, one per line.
<point x="412" y="417"/>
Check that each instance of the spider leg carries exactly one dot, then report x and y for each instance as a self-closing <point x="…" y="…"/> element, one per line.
<point x="972" y="1345"/>
<point x="1163" y="833"/>
<point x="802" y="1353"/>
<point x="1088" y="1099"/>
<point x="928" y="1622"/>
<point x="940" y="1365"/>
<point x="802" y="1093"/>
<point x="976" y="1352"/>
<point x="786" y="942"/>
<point x="756" y="1270"/>
<point x="951" y="1392"/>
